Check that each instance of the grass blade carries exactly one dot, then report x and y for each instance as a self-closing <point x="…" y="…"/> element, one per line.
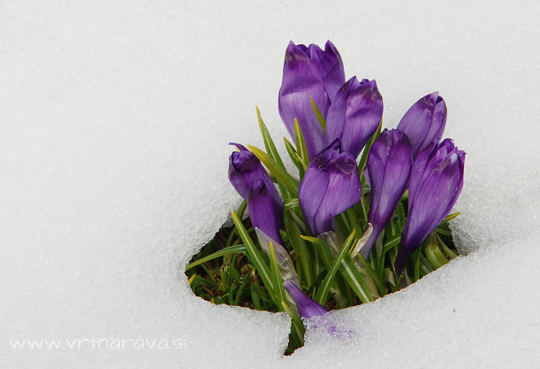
<point x="281" y="174"/>
<point x="300" y="248"/>
<point x="226" y="251"/>
<point x="319" y="116"/>
<point x="255" y="255"/>
<point x="272" y="151"/>
<point x="301" y="148"/>
<point x="363" y="159"/>
<point x="324" y="288"/>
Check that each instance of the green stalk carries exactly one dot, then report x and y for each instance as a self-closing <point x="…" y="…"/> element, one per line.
<point x="303" y="254"/>
<point x="322" y="293"/>
<point x="255" y="256"/>
<point x="281" y="174"/>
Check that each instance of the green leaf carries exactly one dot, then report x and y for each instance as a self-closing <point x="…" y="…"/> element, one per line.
<point x="291" y="204"/>
<point x="226" y="251"/>
<point x="365" y="153"/>
<point x="297" y="332"/>
<point x="276" y="276"/>
<point x="271" y="150"/>
<point x="303" y="254"/>
<point x="268" y="142"/>
<point x="327" y="282"/>
<point x="282" y="176"/>
<point x="445" y="249"/>
<point x="297" y="327"/>
<point x="319" y="116"/>
<point x="244" y="284"/>
<point x="301" y="148"/>
<point x="450" y="217"/>
<point x="255" y="255"/>
<point x="294" y="156"/>
<point x="255" y="297"/>
<point x="433" y="254"/>
<point x="373" y="275"/>
<point x="355" y="280"/>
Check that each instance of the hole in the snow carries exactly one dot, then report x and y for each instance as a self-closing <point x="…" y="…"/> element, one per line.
<point x="222" y="272"/>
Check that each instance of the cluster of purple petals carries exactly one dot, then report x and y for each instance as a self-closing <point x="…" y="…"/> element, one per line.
<point x="409" y="157"/>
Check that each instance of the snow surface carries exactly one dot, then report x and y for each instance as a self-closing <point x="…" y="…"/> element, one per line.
<point x="114" y="123"/>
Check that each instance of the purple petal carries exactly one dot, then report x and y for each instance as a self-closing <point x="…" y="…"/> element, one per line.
<point x="389" y="164"/>
<point x="344" y="190"/>
<point x="330" y="186"/>
<point x="434" y="196"/>
<point x="330" y="67"/>
<point x="307" y="308"/>
<point x="252" y="182"/>
<point x="424" y="122"/>
<point x="354" y="115"/>
<point x="302" y="80"/>
<point x="265" y="213"/>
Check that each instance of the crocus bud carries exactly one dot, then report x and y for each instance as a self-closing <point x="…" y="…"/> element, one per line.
<point x="252" y="182"/>
<point x="307" y="308"/>
<point x="309" y="72"/>
<point x="424" y="122"/>
<point x="354" y="115"/>
<point x="435" y="184"/>
<point x="330" y="186"/>
<point x="389" y="164"/>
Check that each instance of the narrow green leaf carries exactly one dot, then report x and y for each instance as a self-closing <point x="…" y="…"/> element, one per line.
<point x="327" y="282"/>
<point x="365" y="153"/>
<point x="445" y="249"/>
<point x="226" y="251"/>
<point x="443" y="230"/>
<point x="255" y="255"/>
<point x="373" y="275"/>
<point x="297" y="327"/>
<point x="276" y="276"/>
<point x="268" y="142"/>
<point x="244" y="284"/>
<point x="271" y="150"/>
<point x="255" y="297"/>
<point x="450" y="217"/>
<point x="355" y="280"/>
<point x="319" y="116"/>
<point x="285" y="178"/>
<point x="293" y="155"/>
<point x="433" y="254"/>
<point x="291" y="203"/>
<point x="405" y="195"/>
<point x="303" y="254"/>
<point x="301" y="148"/>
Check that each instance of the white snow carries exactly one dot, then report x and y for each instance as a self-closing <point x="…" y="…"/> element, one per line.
<point x="114" y="124"/>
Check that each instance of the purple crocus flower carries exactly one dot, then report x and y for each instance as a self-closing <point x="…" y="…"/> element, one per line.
<point x="307" y="308"/>
<point x="354" y="115"/>
<point x="330" y="186"/>
<point x="389" y="164"/>
<point x="435" y="184"/>
<point x="309" y="72"/>
<point x="252" y="182"/>
<point x="424" y="122"/>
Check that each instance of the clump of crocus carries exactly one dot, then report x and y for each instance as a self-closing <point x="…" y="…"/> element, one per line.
<point x="343" y="229"/>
